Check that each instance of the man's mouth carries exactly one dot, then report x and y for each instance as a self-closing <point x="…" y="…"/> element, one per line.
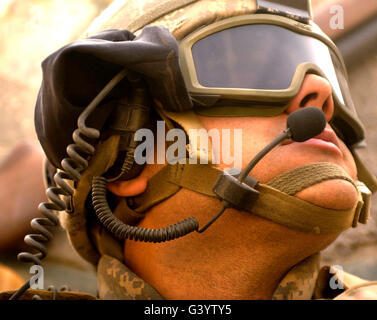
<point x="327" y="139"/>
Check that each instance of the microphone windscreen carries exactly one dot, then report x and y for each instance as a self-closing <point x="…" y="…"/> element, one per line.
<point x="306" y="123"/>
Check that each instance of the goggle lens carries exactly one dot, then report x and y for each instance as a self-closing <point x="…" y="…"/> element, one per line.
<point x="259" y="57"/>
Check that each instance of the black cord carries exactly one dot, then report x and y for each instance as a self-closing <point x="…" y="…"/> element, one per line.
<point x="124" y="231"/>
<point x="73" y="166"/>
<point x="215" y="217"/>
<point x="245" y="172"/>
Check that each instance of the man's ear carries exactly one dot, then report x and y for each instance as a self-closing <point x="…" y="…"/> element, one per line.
<point x="128" y="188"/>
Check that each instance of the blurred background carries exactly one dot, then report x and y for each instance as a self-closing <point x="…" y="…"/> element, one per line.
<point x="31" y="30"/>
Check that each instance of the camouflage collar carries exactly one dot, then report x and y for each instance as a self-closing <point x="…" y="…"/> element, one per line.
<point x="300" y="281"/>
<point x="117" y="282"/>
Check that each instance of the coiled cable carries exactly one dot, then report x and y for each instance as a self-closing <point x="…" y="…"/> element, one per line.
<point x="73" y="166"/>
<point x="124" y="231"/>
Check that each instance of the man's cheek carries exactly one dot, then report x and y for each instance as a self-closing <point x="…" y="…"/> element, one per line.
<point x="349" y="161"/>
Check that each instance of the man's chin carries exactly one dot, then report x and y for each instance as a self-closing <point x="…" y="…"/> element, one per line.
<point x="332" y="194"/>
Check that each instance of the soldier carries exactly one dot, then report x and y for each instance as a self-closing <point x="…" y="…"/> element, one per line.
<point x="238" y="65"/>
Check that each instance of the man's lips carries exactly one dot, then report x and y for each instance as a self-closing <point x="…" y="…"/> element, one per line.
<point x="326" y="139"/>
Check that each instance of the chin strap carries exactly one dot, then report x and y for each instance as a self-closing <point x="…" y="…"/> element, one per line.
<point x="276" y="199"/>
<point x="275" y="202"/>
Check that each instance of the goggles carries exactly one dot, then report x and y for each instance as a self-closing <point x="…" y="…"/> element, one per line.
<point x="253" y="65"/>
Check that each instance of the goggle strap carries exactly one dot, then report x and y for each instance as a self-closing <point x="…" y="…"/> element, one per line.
<point x="299" y="10"/>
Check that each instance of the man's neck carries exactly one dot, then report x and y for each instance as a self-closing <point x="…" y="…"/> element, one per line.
<point x="246" y="264"/>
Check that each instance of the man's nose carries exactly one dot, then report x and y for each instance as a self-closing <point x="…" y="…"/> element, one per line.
<point x="316" y="92"/>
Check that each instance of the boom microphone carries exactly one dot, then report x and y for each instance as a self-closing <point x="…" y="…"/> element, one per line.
<point x="302" y="125"/>
<point x="306" y="123"/>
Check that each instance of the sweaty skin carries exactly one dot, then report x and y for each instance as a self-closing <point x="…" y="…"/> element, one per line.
<point x="242" y="256"/>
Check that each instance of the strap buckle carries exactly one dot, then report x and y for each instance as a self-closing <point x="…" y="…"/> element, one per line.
<point x="240" y="195"/>
<point x="362" y="212"/>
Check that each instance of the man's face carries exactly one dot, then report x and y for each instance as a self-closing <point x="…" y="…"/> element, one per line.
<point x="257" y="132"/>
